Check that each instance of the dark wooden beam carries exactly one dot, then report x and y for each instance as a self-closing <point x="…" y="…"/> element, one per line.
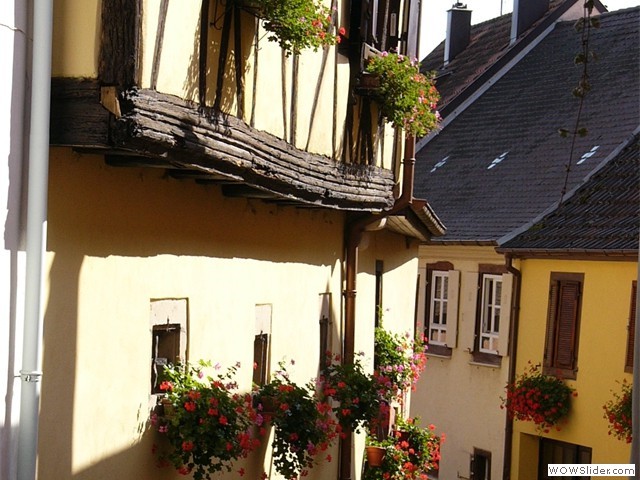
<point x="156" y="124"/>
<point x="160" y="130"/>
<point x="119" y="45"/>
<point x="77" y="118"/>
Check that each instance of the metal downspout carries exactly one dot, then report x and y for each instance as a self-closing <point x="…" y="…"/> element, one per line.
<point x="353" y="235"/>
<point x="635" y="396"/>
<point x="513" y="348"/>
<point x="31" y="371"/>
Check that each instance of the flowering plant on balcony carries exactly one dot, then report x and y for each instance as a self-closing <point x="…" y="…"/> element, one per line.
<point x="410" y="453"/>
<point x="538" y="398"/>
<point x="206" y="424"/>
<point x="298" y="24"/>
<point x="399" y="360"/>
<point x="407" y="98"/>
<point x="355" y="394"/>
<point x="618" y="412"/>
<point x="304" y="425"/>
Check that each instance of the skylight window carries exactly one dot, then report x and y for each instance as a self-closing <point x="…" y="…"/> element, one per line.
<point x="441" y="163"/>
<point x="588" y="155"/>
<point x="497" y="160"/>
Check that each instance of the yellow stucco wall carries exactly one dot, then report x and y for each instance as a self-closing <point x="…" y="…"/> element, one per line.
<point x="120" y="237"/>
<point x="460" y="397"/>
<point x="601" y="352"/>
<point x="76" y="33"/>
<point x="76" y="45"/>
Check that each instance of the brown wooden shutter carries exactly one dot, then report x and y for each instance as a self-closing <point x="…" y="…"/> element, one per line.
<point x="632" y="326"/>
<point x="549" y="345"/>
<point x="413" y="27"/>
<point x="567" y="319"/>
<point x="260" y="351"/>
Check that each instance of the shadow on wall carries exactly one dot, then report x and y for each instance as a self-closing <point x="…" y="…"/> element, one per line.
<point x="101" y="211"/>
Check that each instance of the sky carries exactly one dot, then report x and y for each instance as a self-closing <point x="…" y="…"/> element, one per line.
<point x="434" y="16"/>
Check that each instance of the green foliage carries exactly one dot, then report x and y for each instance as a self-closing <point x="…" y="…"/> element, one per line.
<point x="206" y="424"/>
<point x="355" y="393"/>
<point x="303" y="425"/>
<point x="618" y="413"/>
<point x="411" y="452"/>
<point x="535" y="397"/>
<point x="407" y="98"/>
<point x="399" y="360"/>
<point x="298" y="24"/>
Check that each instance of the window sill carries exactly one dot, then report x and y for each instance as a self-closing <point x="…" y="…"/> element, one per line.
<point x="486" y="359"/>
<point x="487" y="365"/>
<point x="438" y="355"/>
<point x="440" y="351"/>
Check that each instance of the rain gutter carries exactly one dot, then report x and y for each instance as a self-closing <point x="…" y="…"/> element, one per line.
<point x="513" y="348"/>
<point x="31" y="371"/>
<point x="353" y="236"/>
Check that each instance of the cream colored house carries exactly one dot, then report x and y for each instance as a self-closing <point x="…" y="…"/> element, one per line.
<point x="208" y="192"/>
<point x="495" y="168"/>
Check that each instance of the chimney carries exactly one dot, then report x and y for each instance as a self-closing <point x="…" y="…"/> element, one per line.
<point x="458" y="31"/>
<point x="525" y="14"/>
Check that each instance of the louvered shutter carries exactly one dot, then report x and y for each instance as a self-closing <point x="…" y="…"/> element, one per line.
<point x="413" y="28"/>
<point x="569" y="296"/>
<point x="422" y="322"/>
<point x="551" y="325"/>
<point x="632" y="327"/>
<point x="564" y="354"/>
<point x="505" y="314"/>
<point x="453" y="294"/>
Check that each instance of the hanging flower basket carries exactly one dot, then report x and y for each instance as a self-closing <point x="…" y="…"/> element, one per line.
<point x="538" y="398"/>
<point x="617" y="411"/>
<point x="295" y="24"/>
<point x="206" y="424"/>
<point x="407" y="97"/>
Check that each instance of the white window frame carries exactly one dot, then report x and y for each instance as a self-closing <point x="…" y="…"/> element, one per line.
<point x="439" y="297"/>
<point x="491" y="309"/>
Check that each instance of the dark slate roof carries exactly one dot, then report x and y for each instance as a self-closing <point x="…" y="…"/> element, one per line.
<point x="489" y="42"/>
<point x="500" y="164"/>
<point x="603" y="214"/>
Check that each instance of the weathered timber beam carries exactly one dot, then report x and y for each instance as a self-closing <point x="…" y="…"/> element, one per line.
<point x="158" y="124"/>
<point x="77" y="118"/>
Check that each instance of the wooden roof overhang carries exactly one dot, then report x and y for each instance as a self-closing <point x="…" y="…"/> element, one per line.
<point x="142" y="127"/>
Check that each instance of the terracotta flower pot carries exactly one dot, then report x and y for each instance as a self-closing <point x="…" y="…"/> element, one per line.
<point x="375" y="455"/>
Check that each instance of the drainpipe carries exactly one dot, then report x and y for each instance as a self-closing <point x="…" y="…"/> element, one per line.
<point x="353" y="234"/>
<point x="31" y="371"/>
<point x="513" y="344"/>
<point x="635" y="395"/>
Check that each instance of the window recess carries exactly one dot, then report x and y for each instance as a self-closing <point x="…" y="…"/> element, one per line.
<point x="168" y="322"/>
<point x="493" y="315"/>
<point x="441" y="307"/>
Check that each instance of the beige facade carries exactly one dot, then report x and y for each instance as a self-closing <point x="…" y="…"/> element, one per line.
<point x="461" y="390"/>
<point x="120" y="239"/>
<point x="245" y="172"/>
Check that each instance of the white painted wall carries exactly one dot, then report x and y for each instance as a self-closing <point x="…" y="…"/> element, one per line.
<point x="13" y="81"/>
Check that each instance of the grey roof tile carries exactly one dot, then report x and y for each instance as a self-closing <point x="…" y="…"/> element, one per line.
<point x="603" y="214"/>
<point x="521" y="114"/>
